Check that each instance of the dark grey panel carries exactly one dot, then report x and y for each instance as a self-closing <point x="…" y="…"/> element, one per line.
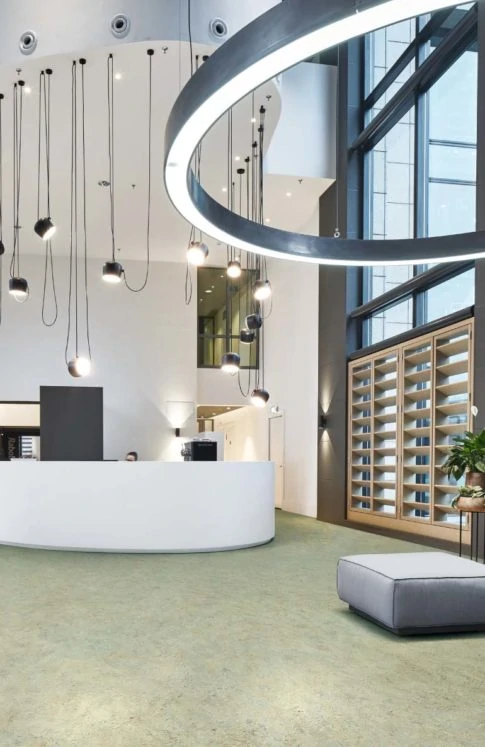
<point x="71" y="423"/>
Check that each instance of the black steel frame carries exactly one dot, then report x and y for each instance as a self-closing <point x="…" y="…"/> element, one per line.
<point x="428" y="70"/>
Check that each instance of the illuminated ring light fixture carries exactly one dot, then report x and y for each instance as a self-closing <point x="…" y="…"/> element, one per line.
<point x="279" y="39"/>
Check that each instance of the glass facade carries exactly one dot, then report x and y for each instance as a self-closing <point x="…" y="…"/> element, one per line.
<point x="420" y="175"/>
<point x="452" y="149"/>
<point x="222" y="306"/>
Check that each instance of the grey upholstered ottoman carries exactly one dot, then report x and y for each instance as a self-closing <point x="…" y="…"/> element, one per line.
<point x="415" y="593"/>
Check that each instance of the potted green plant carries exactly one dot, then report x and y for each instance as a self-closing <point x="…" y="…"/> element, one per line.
<point x="470" y="497"/>
<point x="467" y="457"/>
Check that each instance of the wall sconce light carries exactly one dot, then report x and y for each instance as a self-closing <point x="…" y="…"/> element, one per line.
<point x="322" y="422"/>
<point x="178" y="413"/>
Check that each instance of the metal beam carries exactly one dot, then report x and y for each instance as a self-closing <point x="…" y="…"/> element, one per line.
<point x="421" y="282"/>
<point x="425" y="329"/>
<point x="421" y="81"/>
<point x="409" y="54"/>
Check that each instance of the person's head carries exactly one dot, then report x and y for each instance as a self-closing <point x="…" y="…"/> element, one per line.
<point x="132" y="456"/>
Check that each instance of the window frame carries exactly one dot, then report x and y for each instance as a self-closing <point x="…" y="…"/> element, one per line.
<point x="428" y="69"/>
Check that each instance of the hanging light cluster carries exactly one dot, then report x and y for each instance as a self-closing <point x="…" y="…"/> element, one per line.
<point x="78" y="356"/>
<point x="256" y="288"/>
<point x="78" y="365"/>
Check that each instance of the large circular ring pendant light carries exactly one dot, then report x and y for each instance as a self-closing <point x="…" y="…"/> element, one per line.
<point x="282" y="37"/>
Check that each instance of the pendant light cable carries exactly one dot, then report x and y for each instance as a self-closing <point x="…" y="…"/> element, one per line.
<point x="111" y="153"/>
<point x="189" y="25"/>
<point x="45" y="85"/>
<point x="2" y="247"/>
<point x="336" y="233"/>
<point x="150" y="53"/>
<point x="73" y="219"/>
<point x="17" y="168"/>
<point x="189" y="287"/>
<point x="82" y="63"/>
<point x="71" y="237"/>
<point x="78" y="138"/>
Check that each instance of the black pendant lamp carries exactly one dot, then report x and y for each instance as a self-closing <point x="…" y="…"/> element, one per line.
<point x="247" y="336"/>
<point x="197" y="253"/>
<point x="234" y="269"/>
<point x="230" y="363"/>
<point x="262" y="290"/>
<point x="78" y="365"/>
<point x="259" y="397"/>
<point x="18" y="286"/>
<point x="44" y="226"/>
<point x="112" y="270"/>
<point x="254" y="321"/>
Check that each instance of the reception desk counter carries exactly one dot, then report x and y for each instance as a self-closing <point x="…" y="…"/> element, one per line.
<point x="161" y="507"/>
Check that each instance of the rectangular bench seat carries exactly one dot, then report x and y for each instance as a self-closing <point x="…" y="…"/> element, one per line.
<point x="415" y="593"/>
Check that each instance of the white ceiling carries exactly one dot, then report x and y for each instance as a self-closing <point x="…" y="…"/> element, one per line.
<point x="169" y="231"/>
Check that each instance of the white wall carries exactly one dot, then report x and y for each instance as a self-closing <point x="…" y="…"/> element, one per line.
<point x="217" y="388"/>
<point x="304" y="142"/>
<point x="143" y="345"/>
<point x="291" y="377"/>
<point x="248" y="430"/>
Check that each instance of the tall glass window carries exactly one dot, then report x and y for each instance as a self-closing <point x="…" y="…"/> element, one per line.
<point x="222" y="306"/>
<point x="420" y="179"/>
<point x="452" y="149"/>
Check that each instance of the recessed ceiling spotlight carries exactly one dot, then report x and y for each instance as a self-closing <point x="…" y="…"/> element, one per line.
<point x="253" y="119"/>
<point x="224" y="189"/>
<point x="237" y="158"/>
<point x="27" y="89"/>
<point x="118" y="76"/>
<point x="288" y="194"/>
<point x="267" y="220"/>
<point x="208" y="290"/>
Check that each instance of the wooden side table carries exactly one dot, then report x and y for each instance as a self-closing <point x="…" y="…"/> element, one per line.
<point x="474" y="533"/>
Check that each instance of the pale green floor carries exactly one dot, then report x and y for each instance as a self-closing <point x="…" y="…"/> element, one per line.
<point x="244" y="648"/>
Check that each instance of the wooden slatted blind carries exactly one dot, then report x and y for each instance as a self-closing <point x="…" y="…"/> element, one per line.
<point x="406" y="404"/>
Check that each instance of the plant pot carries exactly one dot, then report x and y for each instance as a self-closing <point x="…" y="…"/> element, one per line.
<point x="474" y="479"/>
<point x="469" y="503"/>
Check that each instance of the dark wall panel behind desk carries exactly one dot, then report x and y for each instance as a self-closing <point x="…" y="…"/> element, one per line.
<point x="71" y="423"/>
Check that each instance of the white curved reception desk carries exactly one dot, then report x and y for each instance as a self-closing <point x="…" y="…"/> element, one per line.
<point x="161" y="507"/>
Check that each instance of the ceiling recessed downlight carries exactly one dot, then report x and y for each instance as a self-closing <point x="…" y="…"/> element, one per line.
<point x="292" y="32"/>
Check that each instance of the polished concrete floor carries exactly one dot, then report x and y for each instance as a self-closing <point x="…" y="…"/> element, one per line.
<point x="245" y="648"/>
